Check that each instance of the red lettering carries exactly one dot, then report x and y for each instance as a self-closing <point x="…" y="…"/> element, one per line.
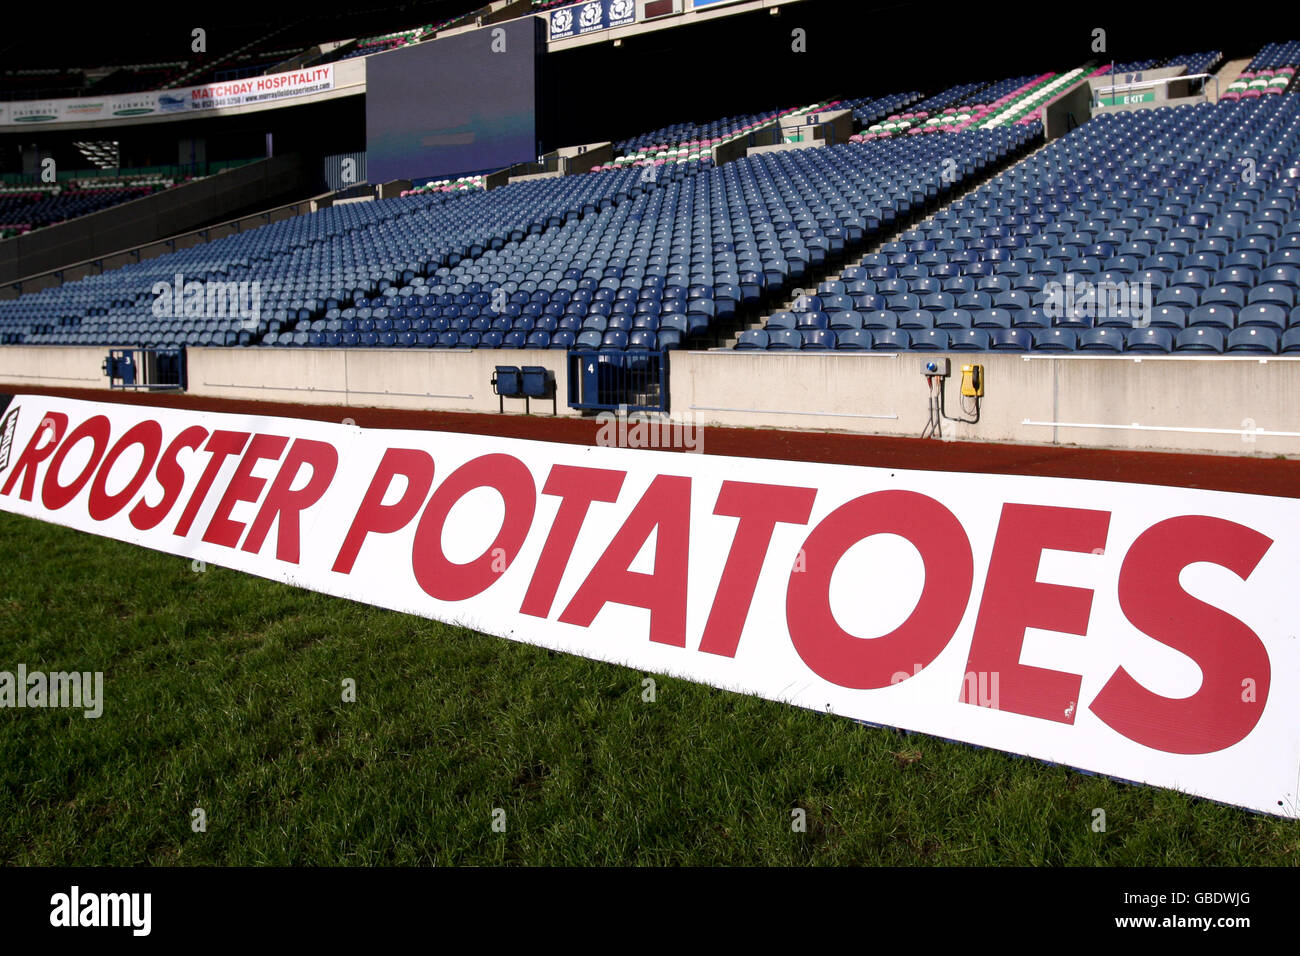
<point x="243" y="486"/>
<point x="447" y="581"/>
<point x="221" y="445"/>
<point x="1230" y="655"/>
<point x="146" y="434"/>
<point x="375" y="516"/>
<point x="172" y="478"/>
<point x="665" y="506"/>
<point x="35" y="453"/>
<point x="759" y="508"/>
<point x="1014" y="599"/>
<point x="848" y="661"/>
<point x="578" y="487"/>
<point x="54" y="495"/>
<point x="287" y="504"/>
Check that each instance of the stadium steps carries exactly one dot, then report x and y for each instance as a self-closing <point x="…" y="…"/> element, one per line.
<point x="225" y="61"/>
<point x="1226" y="75"/>
<point x="756" y="319"/>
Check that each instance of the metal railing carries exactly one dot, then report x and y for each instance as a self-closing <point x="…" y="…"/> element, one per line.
<point x="1119" y="89"/>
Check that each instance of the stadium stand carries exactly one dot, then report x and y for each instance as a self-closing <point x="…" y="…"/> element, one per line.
<point x="1274" y="55"/>
<point x="24" y="208"/>
<point x="34" y="84"/>
<point x="801" y="207"/>
<point x="1153" y="197"/>
<point x="308" y="266"/>
<point x="873" y="109"/>
<point x="608" y="242"/>
<point x="614" y="259"/>
<point x="1014" y="100"/>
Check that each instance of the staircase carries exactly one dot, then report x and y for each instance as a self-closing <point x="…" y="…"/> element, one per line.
<point x="1226" y="75"/>
<point x="226" y="60"/>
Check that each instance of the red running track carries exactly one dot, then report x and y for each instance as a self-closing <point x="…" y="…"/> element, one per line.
<point x="1252" y="475"/>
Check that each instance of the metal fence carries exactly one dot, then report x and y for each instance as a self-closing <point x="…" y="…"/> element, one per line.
<point x="607" y="380"/>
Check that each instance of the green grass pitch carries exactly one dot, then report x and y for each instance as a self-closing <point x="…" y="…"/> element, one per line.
<point x="224" y="692"/>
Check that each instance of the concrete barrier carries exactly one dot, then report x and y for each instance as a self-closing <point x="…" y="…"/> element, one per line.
<point x="455" y="380"/>
<point x="66" y="366"/>
<point x="1173" y="403"/>
<point x="1225" y="404"/>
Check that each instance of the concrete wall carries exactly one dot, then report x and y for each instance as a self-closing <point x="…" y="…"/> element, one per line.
<point x="733" y="150"/>
<point x="834" y="126"/>
<point x="439" y="379"/>
<point x="1072" y="108"/>
<point x="1170" y="403"/>
<point x="1177" y="93"/>
<point x="53" y="366"/>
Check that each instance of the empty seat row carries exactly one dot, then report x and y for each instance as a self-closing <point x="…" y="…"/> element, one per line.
<point x="1102" y="340"/>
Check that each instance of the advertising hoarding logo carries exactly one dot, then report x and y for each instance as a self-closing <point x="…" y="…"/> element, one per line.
<point x="621" y="12"/>
<point x="7" y="428"/>
<point x="561" y="23"/>
<point x="591" y="18"/>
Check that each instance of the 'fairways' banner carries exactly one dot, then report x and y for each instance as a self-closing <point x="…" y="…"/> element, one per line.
<point x="1148" y="633"/>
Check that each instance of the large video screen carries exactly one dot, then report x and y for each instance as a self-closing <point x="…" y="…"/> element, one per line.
<point x="453" y="106"/>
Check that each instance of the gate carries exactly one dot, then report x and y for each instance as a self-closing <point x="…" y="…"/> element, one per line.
<point x="607" y="380"/>
<point x="148" y="369"/>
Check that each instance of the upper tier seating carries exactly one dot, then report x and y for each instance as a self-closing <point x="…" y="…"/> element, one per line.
<point x="1198" y="204"/>
<point x="1274" y="55"/>
<point x="25" y="209"/>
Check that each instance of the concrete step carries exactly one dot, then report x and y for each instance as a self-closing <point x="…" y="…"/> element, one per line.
<point x="1227" y="73"/>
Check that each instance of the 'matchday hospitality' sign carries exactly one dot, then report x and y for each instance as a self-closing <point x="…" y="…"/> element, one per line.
<point x="212" y="96"/>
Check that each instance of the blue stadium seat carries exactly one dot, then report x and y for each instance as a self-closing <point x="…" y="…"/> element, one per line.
<point x="1149" y="339"/>
<point x="973" y="340"/>
<point x="1267" y="315"/>
<point x="784" y="339"/>
<point x="890" y="340"/>
<point x="859" y="340"/>
<point x="1054" y="340"/>
<point x="1017" y="340"/>
<point x="1254" y="339"/>
<point x="1201" y="339"/>
<point x="1101" y="340"/>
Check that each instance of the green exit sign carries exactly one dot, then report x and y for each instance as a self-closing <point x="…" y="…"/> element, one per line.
<point x="1124" y="99"/>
